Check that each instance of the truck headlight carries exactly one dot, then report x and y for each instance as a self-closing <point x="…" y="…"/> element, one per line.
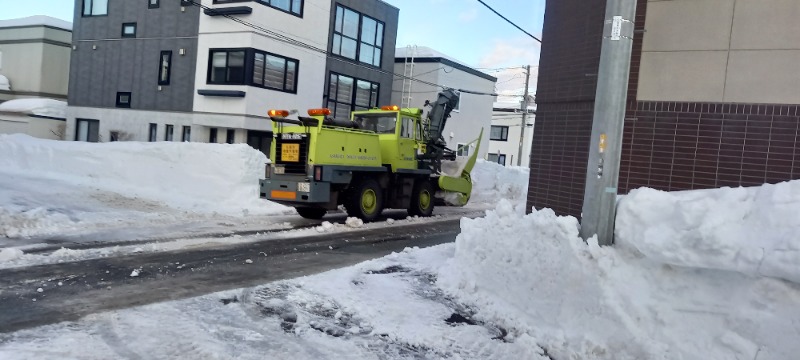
<point x="303" y="187"/>
<point x="280" y="170"/>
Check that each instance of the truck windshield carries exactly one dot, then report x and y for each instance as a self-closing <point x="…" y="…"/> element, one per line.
<point x="379" y="123"/>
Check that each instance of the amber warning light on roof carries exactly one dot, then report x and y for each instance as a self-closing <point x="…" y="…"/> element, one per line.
<point x="319" y="112"/>
<point x="278" y="113"/>
<point x="390" y="108"/>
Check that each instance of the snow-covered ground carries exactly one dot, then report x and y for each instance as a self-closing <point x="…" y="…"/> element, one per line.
<point x="513" y="286"/>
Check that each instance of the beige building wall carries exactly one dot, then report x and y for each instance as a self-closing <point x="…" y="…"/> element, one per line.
<point x="742" y="51"/>
<point x="35" y="59"/>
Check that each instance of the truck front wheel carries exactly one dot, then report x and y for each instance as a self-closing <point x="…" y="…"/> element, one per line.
<point x="365" y="200"/>
<point x="421" y="199"/>
<point x="311" y="213"/>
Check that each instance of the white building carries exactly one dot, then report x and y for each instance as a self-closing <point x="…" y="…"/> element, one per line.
<point x="162" y="70"/>
<point x="474" y="111"/>
<point x="34" y="58"/>
<point x="505" y="133"/>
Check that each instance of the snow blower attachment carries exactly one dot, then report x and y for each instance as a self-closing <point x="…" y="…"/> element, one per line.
<point x="378" y="158"/>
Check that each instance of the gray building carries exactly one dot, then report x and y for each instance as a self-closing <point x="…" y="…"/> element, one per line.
<point x="172" y="70"/>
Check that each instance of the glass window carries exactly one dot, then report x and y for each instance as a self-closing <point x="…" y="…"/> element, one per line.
<point x="153" y="132"/>
<point x="153" y="4"/>
<point x="499" y="133"/>
<point x="227" y="67"/>
<point x="294" y="7"/>
<point x="129" y="30"/>
<point x="169" y="132"/>
<point x="379" y="123"/>
<point x="358" y="37"/>
<point x="87" y="130"/>
<point x="95" y="7"/>
<point x="258" y="69"/>
<point x="165" y="68"/>
<point x="407" y="130"/>
<point x="346" y="94"/>
<point x="274" y="72"/>
<point x="187" y="134"/>
<point x="462" y="150"/>
<point x="123" y="99"/>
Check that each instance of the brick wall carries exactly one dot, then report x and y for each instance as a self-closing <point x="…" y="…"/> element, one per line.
<point x="570" y="58"/>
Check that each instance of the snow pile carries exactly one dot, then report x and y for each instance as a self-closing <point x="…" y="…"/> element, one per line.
<point x="533" y="274"/>
<point x="189" y="176"/>
<point x="492" y="182"/>
<point x="36" y="106"/>
<point x="9" y="254"/>
<point x="755" y="231"/>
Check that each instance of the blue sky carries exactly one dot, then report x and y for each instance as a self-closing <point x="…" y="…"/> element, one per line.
<point x="463" y="29"/>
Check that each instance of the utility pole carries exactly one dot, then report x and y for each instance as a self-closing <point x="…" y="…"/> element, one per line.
<point x="602" y="171"/>
<point x="524" y="123"/>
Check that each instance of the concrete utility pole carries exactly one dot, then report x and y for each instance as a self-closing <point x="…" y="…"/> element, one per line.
<point x="524" y="123"/>
<point x="602" y="173"/>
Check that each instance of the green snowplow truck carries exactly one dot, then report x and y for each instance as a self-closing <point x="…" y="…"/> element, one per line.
<point x="379" y="158"/>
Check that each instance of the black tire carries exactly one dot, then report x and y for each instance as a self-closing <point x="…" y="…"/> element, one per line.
<point x="311" y="213"/>
<point x="422" y="199"/>
<point x="365" y="200"/>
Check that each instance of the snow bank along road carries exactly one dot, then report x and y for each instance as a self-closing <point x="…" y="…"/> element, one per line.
<point x="45" y="294"/>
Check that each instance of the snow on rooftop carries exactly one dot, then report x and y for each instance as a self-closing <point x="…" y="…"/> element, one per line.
<point x="425" y="52"/>
<point x="36" y="106"/>
<point x="37" y="20"/>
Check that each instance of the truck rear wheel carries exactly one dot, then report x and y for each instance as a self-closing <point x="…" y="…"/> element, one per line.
<point x="311" y="213"/>
<point x="365" y="200"/>
<point x="421" y="199"/>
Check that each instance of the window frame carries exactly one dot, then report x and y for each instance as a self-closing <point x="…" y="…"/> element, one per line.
<point x="251" y="73"/>
<point x="359" y="41"/>
<point x="89" y="123"/>
<point x="135" y="30"/>
<point x="150" y="4"/>
<point x="268" y="3"/>
<point x="462" y="149"/>
<point x="230" y="136"/>
<point x="249" y="69"/>
<point x="353" y="106"/>
<point x="169" y="132"/>
<point x="91" y="3"/>
<point x="503" y="133"/>
<point x="168" y="53"/>
<point x="213" y="136"/>
<point x="152" y="132"/>
<point x="124" y="105"/>
<point x="186" y="135"/>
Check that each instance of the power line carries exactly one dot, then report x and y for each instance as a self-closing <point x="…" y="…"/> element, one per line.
<point x="509" y="21"/>
<point x="286" y="39"/>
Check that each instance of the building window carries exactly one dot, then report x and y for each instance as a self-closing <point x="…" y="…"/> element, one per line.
<point x="358" y="37"/>
<point x="113" y="136"/>
<point x="153" y="4"/>
<point x="259" y="140"/>
<point x="87" y="130"/>
<point x="212" y="135"/>
<point x="462" y="150"/>
<point x="274" y="72"/>
<point x="187" y="134"/>
<point x="499" y="133"/>
<point x="168" y="132"/>
<point x="95" y="7"/>
<point x="346" y="94"/>
<point x="153" y="133"/>
<point x="129" y="30"/>
<point x="164" y="67"/>
<point x="123" y="99"/>
<point x="230" y="136"/>
<point x="294" y="7"/>
<point x="253" y="67"/>
<point x="497" y="158"/>
<point x="226" y="67"/>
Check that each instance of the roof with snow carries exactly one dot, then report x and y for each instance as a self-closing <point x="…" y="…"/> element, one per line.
<point x="424" y="54"/>
<point x="37" y="20"/>
<point x="36" y="107"/>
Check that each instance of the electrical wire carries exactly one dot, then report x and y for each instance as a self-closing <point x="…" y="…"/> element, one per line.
<point x="509" y="21"/>
<point x="286" y="39"/>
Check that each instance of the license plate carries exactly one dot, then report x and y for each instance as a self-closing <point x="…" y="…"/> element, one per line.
<point x="303" y="187"/>
<point x="290" y="152"/>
